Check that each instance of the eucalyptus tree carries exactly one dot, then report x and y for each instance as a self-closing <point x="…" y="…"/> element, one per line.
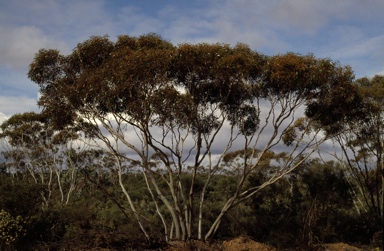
<point x="168" y="110"/>
<point x="362" y="147"/>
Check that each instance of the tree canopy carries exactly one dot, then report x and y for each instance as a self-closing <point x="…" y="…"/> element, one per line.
<point x="125" y="76"/>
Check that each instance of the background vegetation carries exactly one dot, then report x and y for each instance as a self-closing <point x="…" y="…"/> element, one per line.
<point x="313" y="205"/>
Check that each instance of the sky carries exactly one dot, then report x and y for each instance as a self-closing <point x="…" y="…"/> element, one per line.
<point x="348" y="31"/>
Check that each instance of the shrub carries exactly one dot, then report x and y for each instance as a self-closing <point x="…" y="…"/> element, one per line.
<point x="11" y="229"/>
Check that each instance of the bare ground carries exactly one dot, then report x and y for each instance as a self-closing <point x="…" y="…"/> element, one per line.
<point x="241" y="244"/>
<point x="247" y="244"/>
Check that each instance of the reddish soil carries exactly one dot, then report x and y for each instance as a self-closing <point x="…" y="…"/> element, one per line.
<point x="241" y="244"/>
<point x="247" y="244"/>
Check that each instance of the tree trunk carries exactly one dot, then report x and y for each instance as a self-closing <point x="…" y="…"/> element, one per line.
<point x="217" y="222"/>
<point x="172" y="210"/>
<point x="130" y="200"/>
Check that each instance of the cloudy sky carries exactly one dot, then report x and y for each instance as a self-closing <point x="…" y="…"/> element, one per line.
<point x="350" y="31"/>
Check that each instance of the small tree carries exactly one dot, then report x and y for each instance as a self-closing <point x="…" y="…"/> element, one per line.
<point x="170" y="110"/>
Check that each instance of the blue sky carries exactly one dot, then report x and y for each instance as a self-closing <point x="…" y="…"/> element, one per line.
<point x="350" y="31"/>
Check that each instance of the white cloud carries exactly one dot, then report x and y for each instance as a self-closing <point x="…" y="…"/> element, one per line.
<point x="18" y="45"/>
<point x="29" y="25"/>
<point x="12" y="105"/>
<point x="3" y="117"/>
